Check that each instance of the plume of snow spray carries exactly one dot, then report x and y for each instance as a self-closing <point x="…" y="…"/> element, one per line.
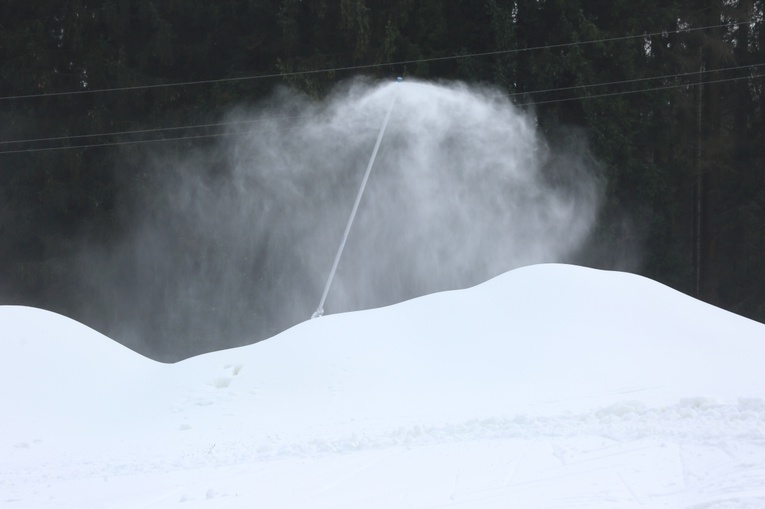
<point x="230" y="252"/>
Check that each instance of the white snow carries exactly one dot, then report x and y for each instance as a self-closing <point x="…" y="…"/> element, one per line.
<point x="551" y="386"/>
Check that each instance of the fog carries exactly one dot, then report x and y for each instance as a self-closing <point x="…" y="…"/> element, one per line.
<point x="234" y="242"/>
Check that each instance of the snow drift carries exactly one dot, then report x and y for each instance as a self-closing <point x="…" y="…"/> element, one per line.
<point x="548" y="386"/>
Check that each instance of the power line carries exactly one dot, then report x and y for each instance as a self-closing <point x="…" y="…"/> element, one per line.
<point x="298" y="117"/>
<point x="127" y="142"/>
<point x="650" y="89"/>
<point x="637" y="80"/>
<point x="367" y="66"/>
<point x="154" y="130"/>
<point x="254" y="131"/>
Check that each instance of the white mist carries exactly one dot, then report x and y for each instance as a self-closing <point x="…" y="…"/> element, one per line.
<point x="462" y="189"/>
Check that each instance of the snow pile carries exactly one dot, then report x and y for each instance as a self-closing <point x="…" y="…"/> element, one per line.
<point x="549" y="386"/>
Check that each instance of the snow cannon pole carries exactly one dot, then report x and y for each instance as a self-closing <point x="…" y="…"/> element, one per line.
<point x="320" y="310"/>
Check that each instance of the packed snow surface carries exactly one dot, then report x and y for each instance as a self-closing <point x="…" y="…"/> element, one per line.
<point x="550" y="386"/>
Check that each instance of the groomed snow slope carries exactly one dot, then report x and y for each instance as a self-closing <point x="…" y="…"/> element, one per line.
<point x="551" y="386"/>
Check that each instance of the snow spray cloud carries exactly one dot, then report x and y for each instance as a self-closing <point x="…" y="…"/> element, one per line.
<point x="234" y="246"/>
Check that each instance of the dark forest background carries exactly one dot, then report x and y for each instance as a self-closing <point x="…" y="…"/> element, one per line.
<point x="669" y="96"/>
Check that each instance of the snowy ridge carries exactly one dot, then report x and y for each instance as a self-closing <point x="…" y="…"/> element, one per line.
<point x="548" y="386"/>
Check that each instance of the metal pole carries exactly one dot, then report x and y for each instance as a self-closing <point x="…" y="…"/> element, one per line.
<point x="320" y="310"/>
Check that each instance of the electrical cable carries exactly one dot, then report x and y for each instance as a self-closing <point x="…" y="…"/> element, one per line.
<point x="650" y="89"/>
<point x="133" y="142"/>
<point x="224" y="124"/>
<point x="637" y="80"/>
<point x="367" y="66"/>
<point x="153" y="130"/>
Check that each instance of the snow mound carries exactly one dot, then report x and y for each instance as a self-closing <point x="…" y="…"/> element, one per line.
<point x="546" y="385"/>
<point x="546" y="338"/>
<point x="54" y="369"/>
